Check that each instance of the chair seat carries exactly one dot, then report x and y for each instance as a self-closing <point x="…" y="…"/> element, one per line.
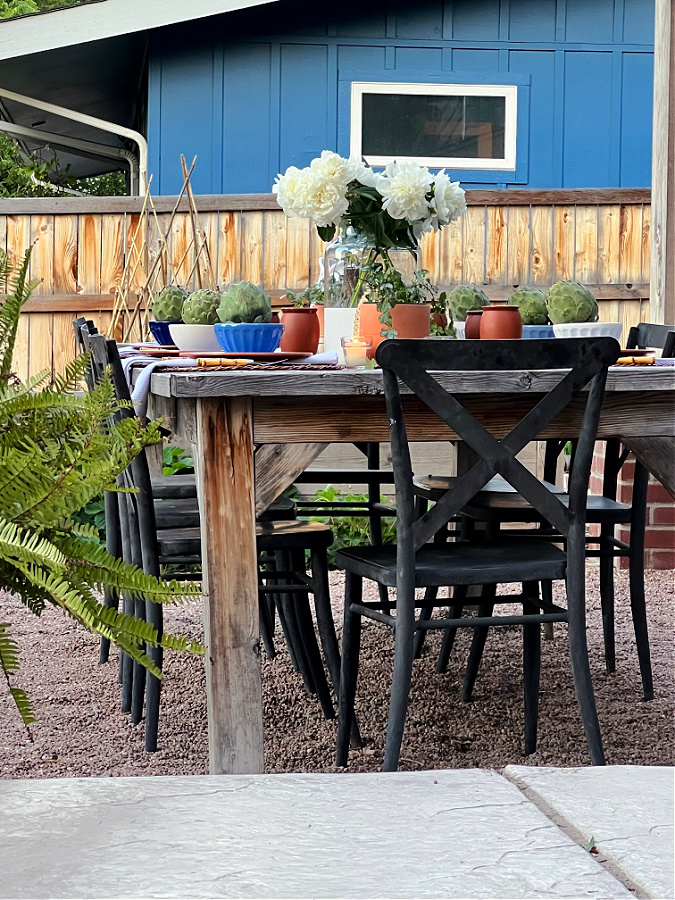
<point x="499" y="499"/>
<point x="174" y="487"/>
<point x="463" y="563"/>
<point x="283" y="535"/>
<point x="184" y="512"/>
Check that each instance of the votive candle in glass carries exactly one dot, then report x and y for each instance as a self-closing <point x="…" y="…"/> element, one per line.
<point x="355" y="351"/>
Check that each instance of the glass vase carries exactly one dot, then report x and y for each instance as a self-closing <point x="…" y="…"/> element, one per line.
<point x="343" y="261"/>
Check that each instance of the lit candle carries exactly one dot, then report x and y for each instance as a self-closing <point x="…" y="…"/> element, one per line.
<point x="355" y="350"/>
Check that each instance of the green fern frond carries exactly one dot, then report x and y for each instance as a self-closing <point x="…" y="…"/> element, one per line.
<point x="24" y="706"/>
<point x="9" y="662"/>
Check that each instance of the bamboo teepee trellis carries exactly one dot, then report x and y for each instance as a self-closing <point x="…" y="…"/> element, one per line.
<point x="149" y="266"/>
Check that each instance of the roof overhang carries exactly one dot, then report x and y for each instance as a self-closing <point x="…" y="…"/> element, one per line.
<point x="101" y="19"/>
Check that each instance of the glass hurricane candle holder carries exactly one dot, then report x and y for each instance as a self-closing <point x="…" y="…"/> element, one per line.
<point x="355" y="350"/>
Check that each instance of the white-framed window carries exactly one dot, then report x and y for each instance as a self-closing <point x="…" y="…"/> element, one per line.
<point x="449" y="126"/>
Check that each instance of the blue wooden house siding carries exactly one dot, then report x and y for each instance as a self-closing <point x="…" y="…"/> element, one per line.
<point x="253" y="92"/>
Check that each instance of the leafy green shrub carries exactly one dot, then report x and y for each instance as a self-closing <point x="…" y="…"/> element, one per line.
<point x="60" y="449"/>
<point x="176" y="461"/>
<point x="351" y="531"/>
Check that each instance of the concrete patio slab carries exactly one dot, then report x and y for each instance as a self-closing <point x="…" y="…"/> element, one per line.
<point x="424" y="834"/>
<point x="627" y="810"/>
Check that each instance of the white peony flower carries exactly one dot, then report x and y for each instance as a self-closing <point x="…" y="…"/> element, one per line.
<point x="309" y="195"/>
<point x="404" y="187"/>
<point x="289" y="189"/>
<point x="336" y="168"/>
<point x="448" y="202"/>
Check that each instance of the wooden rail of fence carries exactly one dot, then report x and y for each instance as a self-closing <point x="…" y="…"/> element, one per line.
<point x="506" y="238"/>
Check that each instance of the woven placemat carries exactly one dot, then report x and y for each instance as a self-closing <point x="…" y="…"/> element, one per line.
<point x="278" y="367"/>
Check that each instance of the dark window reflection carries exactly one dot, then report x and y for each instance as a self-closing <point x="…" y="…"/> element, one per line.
<point x="420" y="125"/>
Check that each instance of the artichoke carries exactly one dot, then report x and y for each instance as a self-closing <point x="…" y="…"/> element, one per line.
<point x="201" y="308"/>
<point x="167" y="304"/>
<point x="244" y="302"/>
<point x="464" y="297"/>
<point x="532" y="305"/>
<point x="569" y="301"/>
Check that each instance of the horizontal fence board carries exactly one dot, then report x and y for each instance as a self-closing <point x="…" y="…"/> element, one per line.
<point x="506" y="239"/>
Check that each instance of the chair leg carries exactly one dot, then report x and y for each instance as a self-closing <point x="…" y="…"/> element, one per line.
<point x="155" y="615"/>
<point x="349" y="669"/>
<point x="426" y="613"/>
<point x="139" y="674"/>
<point x="292" y="630"/>
<point x="636" y="577"/>
<point x="478" y="644"/>
<point x="113" y="544"/>
<point x="459" y="599"/>
<point x="607" y="596"/>
<point x="581" y="670"/>
<point x="374" y="518"/>
<point x="127" y="664"/>
<point x="531" y="667"/>
<point x="265" y="624"/>
<point x="402" y="675"/>
<point x="547" y="597"/>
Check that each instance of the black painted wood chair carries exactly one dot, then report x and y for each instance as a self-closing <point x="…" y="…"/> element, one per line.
<point x="415" y="563"/>
<point x="156" y="533"/>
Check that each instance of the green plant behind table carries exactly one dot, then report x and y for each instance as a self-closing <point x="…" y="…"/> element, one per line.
<point x="351" y="531"/>
<point x="176" y="461"/>
<point x="59" y="449"/>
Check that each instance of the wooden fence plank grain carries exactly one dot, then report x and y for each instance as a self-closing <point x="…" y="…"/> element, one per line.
<point x="541" y="248"/>
<point x="18" y="238"/>
<point x="22" y="348"/>
<point x="42" y="255"/>
<point x="609" y="221"/>
<point x="297" y="254"/>
<point x="112" y="253"/>
<point x="252" y="248"/>
<point x="646" y="241"/>
<point x="63" y="342"/>
<point x="451" y="255"/>
<point x="41" y="342"/>
<point x="228" y="266"/>
<point x="65" y="254"/>
<point x="586" y="244"/>
<point x="473" y="222"/>
<point x="630" y="244"/>
<point x="563" y="243"/>
<point x="518" y="244"/>
<point x="89" y="241"/>
<point x="274" y="253"/>
<point x="496" y="245"/>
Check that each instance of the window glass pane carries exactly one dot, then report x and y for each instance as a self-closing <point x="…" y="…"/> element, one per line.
<point x="433" y="126"/>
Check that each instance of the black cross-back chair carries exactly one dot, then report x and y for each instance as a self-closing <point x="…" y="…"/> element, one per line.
<point x="414" y="563"/>
<point x="648" y="335"/>
<point x="149" y="541"/>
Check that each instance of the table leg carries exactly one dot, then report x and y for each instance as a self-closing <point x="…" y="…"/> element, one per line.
<point x="225" y="484"/>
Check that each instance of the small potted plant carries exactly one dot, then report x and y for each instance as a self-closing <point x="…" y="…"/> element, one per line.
<point x="245" y="325"/>
<point x="167" y="307"/>
<point x="200" y="313"/>
<point x="303" y="320"/>
<point x="573" y="311"/>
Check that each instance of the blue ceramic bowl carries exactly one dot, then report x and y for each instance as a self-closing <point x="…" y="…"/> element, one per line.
<point x="537" y="332"/>
<point x="160" y="332"/>
<point x="248" y="337"/>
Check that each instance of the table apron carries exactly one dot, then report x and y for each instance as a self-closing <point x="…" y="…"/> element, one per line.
<point x="348" y="419"/>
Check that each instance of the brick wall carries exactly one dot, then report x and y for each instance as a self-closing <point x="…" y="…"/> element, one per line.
<point x="660" y="533"/>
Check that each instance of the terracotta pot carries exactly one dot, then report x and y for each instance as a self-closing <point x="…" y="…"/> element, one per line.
<point x="411" y="320"/>
<point x="440" y="320"/>
<point x="319" y="315"/>
<point x="370" y="326"/>
<point x="301" y="330"/>
<point x="472" y="324"/>
<point x="500" y="323"/>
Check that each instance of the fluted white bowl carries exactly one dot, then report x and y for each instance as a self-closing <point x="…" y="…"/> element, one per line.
<point x="195" y="338"/>
<point x="589" y="329"/>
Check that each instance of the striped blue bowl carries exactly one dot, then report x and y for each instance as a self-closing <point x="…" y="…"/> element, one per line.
<point x="537" y="332"/>
<point x="245" y="337"/>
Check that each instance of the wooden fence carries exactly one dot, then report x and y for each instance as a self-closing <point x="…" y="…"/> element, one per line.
<point x="506" y="238"/>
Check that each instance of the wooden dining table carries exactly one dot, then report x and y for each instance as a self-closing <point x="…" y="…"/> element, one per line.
<point x="253" y="431"/>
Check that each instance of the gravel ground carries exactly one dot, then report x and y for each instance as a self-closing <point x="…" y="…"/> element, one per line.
<point x="80" y="730"/>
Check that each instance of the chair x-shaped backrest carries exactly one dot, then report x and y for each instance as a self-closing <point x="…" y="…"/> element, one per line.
<point x="413" y="362"/>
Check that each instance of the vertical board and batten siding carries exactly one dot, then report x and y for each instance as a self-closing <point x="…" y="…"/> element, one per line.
<point x="80" y="246"/>
<point x="255" y="91"/>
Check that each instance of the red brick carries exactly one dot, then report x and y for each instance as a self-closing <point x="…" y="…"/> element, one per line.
<point x="660" y="537"/>
<point x="624" y="493"/>
<point x="660" y="559"/>
<point x="662" y="515"/>
<point x="595" y="484"/>
<point x="623" y="533"/>
<point x="656" y="493"/>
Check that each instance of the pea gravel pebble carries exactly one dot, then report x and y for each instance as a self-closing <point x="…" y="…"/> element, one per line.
<point x="80" y="730"/>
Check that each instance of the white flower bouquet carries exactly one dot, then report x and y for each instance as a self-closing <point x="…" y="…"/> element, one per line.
<point x="392" y="209"/>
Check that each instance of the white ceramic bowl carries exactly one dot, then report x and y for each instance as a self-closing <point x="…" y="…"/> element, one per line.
<point x="589" y="329"/>
<point x="195" y="338"/>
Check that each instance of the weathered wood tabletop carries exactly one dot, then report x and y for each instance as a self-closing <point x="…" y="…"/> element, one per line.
<point x="254" y="431"/>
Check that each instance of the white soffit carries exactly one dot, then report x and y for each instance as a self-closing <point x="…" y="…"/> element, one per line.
<point x="74" y="25"/>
